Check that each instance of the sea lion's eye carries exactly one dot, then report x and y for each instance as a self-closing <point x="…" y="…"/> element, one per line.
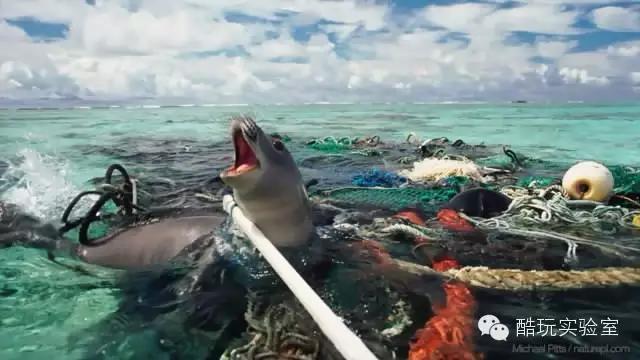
<point x="278" y="145"/>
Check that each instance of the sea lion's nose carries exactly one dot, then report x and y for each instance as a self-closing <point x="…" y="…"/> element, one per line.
<point x="250" y="129"/>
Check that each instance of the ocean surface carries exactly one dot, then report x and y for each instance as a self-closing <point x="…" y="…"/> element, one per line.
<point x="48" y="156"/>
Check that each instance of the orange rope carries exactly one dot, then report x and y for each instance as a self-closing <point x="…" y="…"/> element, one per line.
<point x="448" y="335"/>
<point x="452" y="221"/>
<point x="375" y="250"/>
<point x="410" y="215"/>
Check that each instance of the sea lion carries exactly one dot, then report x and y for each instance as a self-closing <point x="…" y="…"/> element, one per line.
<point x="149" y="244"/>
<point x="269" y="189"/>
<point x="266" y="184"/>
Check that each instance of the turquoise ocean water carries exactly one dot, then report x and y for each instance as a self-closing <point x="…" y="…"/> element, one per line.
<point x="46" y="158"/>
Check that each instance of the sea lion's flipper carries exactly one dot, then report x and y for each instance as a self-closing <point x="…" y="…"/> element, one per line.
<point x="155" y="243"/>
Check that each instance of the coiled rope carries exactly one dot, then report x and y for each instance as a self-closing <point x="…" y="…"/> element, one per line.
<point x="537" y="210"/>
<point x="548" y="280"/>
<point x="123" y="196"/>
<point x="518" y="279"/>
<point x="277" y="332"/>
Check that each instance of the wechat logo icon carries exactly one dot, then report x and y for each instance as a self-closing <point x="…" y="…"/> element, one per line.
<point x="490" y="325"/>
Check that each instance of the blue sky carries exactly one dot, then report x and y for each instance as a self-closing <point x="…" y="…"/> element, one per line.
<point x="295" y="51"/>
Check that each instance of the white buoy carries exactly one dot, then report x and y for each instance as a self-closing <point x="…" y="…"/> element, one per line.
<point x="588" y="180"/>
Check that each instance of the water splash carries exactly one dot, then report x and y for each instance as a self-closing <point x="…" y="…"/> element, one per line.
<point x="39" y="184"/>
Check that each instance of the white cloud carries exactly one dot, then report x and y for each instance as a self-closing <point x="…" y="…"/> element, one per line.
<point x="560" y="2"/>
<point x="19" y="79"/>
<point x="485" y="18"/>
<point x="548" y="19"/>
<point x="630" y="50"/>
<point x="341" y="31"/>
<point x="45" y="10"/>
<point x="283" y="46"/>
<point x="114" y="30"/>
<point x="167" y="49"/>
<point x="459" y="17"/>
<point x="581" y="76"/>
<point x="12" y="34"/>
<point x="554" y="49"/>
<point x="369" y="15"/>
<point x="617" y="18"/>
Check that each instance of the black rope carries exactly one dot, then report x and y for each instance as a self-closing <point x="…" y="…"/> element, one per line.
<point x="72" y="204"/>
<point x="425" y="151"/>
<point x="512" y="155"/>
<point x="125" y="197"/>
<point x="91" y="216"/>
<point x="458" y="143"/>
<point x="121" y="170"/>
<point x="122" y="196"/>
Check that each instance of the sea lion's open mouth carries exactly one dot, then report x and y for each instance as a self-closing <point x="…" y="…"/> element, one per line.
<point x="245" y="157"/>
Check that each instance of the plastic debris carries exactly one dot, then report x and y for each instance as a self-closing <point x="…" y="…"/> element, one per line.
<point x="378" y="177"/>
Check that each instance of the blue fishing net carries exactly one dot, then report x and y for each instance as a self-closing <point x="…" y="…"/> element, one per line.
<point x="377" y="177"/>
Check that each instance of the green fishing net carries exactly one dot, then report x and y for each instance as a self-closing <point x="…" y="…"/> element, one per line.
<point x="499" y="161"/>
<point x="626" y="179"/>
<point x="391" y="198"/>
<point x="332" y="145"/>
<point x="455" y="181"/>
<point x="535" y="181"/>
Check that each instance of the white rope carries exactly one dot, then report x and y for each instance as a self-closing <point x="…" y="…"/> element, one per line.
<point x="536" y="210"/>
<point x="346" y="342"/>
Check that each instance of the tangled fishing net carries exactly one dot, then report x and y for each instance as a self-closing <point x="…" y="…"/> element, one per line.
<point x="535" y="181"/>
<point x="389" y="198"/>
<point x="330" y="144"/>
<point x="280" y="331"/>
<point x="537" y="210"/>
<point x="627" y="179"/>
<point x="539" y="216"/>
<point x="377" y="177"/>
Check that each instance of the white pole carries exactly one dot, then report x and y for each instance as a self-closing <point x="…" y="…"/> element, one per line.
<point x="345" y="341"/>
